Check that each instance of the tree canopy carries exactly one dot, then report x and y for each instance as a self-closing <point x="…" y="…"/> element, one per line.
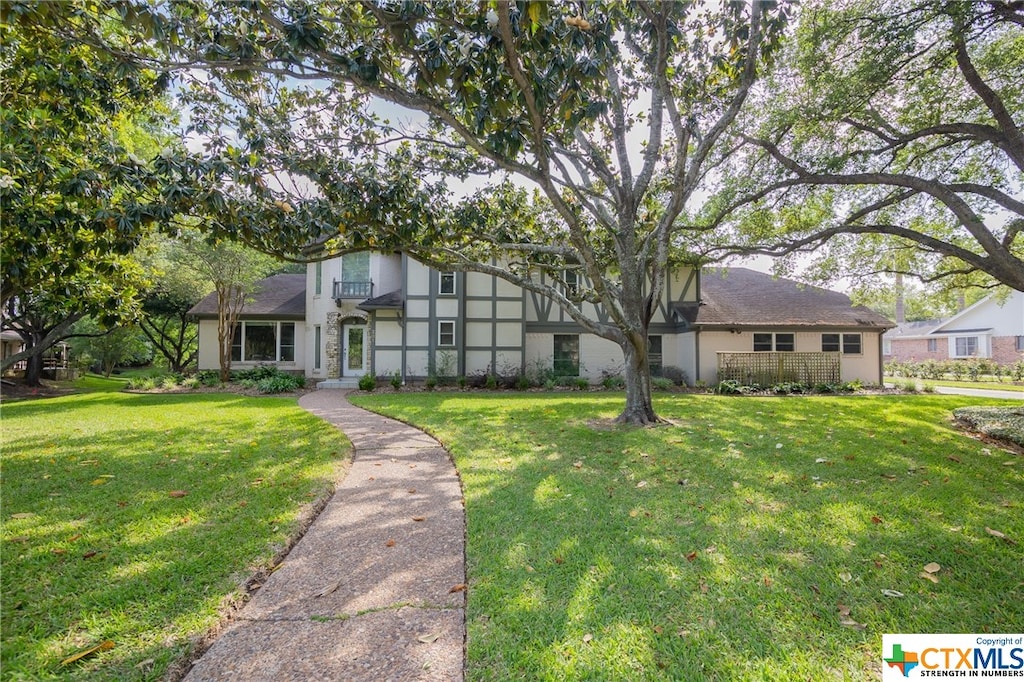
<point x="891" y="140"/>
<point x="606" y="112"/>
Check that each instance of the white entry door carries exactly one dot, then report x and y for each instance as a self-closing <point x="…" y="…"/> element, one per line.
<point x="353" y="350"/>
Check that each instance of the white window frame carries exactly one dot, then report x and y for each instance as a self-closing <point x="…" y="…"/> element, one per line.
<point x="441" y="324"/>
<point x="442" y="277"/>
<point x="317" y="355"/>
<point x="571" y="278"/>
<point x="775" y="342"/>
<point x="966" y="340"/>
<point x="240" y="334"/>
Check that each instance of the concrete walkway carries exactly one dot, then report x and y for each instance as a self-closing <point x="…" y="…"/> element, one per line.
<point x="367" y="593"/>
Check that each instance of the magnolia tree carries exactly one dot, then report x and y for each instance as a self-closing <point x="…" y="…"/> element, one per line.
<point x="584" y="128"/>
<point x="889" y="140"/>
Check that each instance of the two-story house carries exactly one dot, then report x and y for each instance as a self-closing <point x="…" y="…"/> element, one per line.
<point x="383" y="313"/>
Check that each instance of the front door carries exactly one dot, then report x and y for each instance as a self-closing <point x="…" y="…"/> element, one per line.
<point x="353" y="350"/>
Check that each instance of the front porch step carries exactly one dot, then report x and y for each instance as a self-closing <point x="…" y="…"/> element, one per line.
<point x="347" y="382"/>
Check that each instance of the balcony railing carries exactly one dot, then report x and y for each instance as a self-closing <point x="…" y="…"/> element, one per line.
<point x="353" y="289"/>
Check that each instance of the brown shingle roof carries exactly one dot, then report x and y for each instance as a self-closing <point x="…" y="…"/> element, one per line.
<point x="738" y="297"/>
<point x="279" y="297"/>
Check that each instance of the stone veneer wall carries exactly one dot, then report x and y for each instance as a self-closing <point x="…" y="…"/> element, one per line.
<point x="332" y="338"/>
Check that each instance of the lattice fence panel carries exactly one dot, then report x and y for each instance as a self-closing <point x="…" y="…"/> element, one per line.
<point x="769" y="368"/>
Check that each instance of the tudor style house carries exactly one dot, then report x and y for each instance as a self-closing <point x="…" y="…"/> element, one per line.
<point x="383" y="313"/>
<point x="991" y="328"/>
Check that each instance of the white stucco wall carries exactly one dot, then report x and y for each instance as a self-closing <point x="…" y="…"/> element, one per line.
<point x="863" y="367"/>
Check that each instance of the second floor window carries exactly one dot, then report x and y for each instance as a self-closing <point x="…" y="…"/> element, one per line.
<point x="446" y="285"/>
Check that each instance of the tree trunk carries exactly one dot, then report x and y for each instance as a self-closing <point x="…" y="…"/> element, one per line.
<point x="639" y="408"/>
<point x="34" y="370"/>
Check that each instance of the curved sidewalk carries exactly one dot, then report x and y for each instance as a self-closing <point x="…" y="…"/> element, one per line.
<point x="367" y="593"/>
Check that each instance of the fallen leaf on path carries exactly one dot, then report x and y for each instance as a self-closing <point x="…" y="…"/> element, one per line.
<point x="953" y="458"/>
<point x="641" y="484"/>
<point x="390" y="543"/>
<point x="587" y="638"/>
<point x="892" y="593"/>
<point x="419" y="518"/>
<point x="461" y="587"/>
<point x="845" y="577"/>
<point x="691" y="556"/>
<point x="58" y="550"/>
<point x="658" y="629"/>
<point x="412" y="491"/>
<point x="876" y="519"/>
<point x="177" y="493"/>
<point x="104" y="646"/>
<point x="427" y="639"/>
<point x="90" y="554"/>
<point x="578" y="464"/>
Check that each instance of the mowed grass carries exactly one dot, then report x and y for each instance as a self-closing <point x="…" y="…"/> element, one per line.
<point x="751" y="539"/>
<point x="99" y="544"/>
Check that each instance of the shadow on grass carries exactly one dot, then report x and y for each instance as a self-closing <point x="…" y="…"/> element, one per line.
<point x="731" y="545"/>
<point x="110" y="551"/>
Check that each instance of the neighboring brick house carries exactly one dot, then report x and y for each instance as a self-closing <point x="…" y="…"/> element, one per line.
<point x="991" y="328"/>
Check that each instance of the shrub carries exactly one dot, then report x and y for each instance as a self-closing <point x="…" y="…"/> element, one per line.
<point x="676" y="375"/>
<point x="787" y="387"/>
<point x="141" y="384"/>
<point x="1018" y="370"/>
<point x="170" y="381"/>
<point x="928" y="388"/>
<point x="908" y="386"/>
<point x="999" y="422"/>
<point x="396" y="380"/>
<point x="461" y="381"/>
<point x="582" y="384"/>
<point x="613" y="382"/>
<point x="729" y="387"/>
<point x="367" y="382"/>
<point x="522" y="382"/>
<point x="190" y="382"/>
<point x="258" y="372"/>
<point x="973" y="370"/>
<point x="662" y="384"/>
<point x="549" y="384"/>
<point x="957" y="369"/>
<point x="490" y="382"/>
<point x="278" y="383"/>
<point x="431" y="383"/>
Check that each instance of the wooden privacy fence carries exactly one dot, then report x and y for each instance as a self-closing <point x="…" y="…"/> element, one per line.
<point x="768" y="368"/>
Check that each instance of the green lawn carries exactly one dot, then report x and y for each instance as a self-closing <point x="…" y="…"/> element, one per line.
<point x="750" y="540"/>
<point x="99" y="545"/>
